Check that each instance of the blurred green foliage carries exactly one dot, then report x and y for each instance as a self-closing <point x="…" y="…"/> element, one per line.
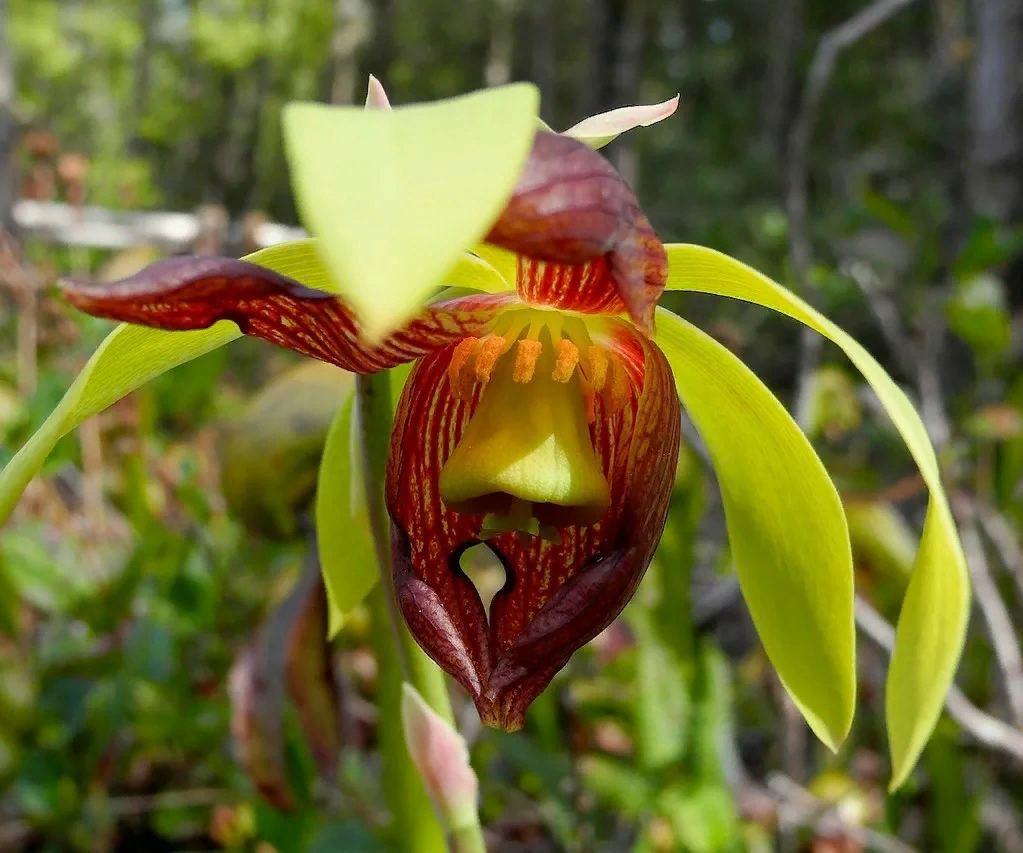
<point x="127" y="590"/>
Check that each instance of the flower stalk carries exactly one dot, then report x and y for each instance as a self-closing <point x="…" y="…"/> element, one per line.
<point x="415" y="827"/>
<point x="399" y="657"/>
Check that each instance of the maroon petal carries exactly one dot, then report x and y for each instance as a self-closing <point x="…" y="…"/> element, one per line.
<point x="195" y="292"/>
<point x="570" y="207"/>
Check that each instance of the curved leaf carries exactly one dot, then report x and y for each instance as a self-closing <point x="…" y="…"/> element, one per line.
<point x="932" y="625"/>
<point x="128" y="357"/>
<point x="347" y="558"/>
<point x="786" y="526"/>
<point x="398" y="194"/>
<point x="132" y="355"/>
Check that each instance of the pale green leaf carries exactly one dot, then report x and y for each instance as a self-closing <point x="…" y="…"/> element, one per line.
<point x="302" y="261"/>
<point x="932" y="625"/>
<point x="503" y="262"/>
<point x="397" y="195"/>
<point x="597" y="131"/>
<point x="129" y="357"/>
<point x="347" y="557"/>
<point x="786" y="527"/>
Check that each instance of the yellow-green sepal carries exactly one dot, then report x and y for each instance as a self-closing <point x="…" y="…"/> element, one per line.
<point x="396" y="195"/>
<point x="786" y="526"/>
<point x="932" y="624"/>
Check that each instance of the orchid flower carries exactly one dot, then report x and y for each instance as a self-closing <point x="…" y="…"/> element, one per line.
<point x="540" y="421"/>
<point x="541" y="417"/>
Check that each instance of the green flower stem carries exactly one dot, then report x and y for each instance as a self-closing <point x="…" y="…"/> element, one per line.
<point x="467" y="839"/>
<point x="415" y="825"/>
<point x="408" y="660"/>
<point x="373" y="407"/>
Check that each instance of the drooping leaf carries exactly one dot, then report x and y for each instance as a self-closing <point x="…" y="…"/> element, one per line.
<point x="398" y="194"/>
<point x="129" y="357"/>
<point x="597" y="131"/>
<point x="786" y="527"/>
<point x="932" y="625"/>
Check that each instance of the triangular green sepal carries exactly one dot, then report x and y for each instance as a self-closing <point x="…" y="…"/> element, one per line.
<point x="396" y="195"/>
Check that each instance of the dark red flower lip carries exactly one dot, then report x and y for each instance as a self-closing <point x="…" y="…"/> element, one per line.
<point x="557" y="596"/>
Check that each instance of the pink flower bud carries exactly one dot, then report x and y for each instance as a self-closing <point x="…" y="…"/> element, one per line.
<point x="441" y="756"/>
<point x="376" y="97"/>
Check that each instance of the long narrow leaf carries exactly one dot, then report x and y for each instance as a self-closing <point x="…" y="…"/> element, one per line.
<point x="786" y="527"/>
<point x="932" y="625"/>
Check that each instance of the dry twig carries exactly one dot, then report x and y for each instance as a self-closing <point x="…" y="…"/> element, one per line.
<point x="828" y="48"/>
<point x="996" y="614"/>
<point x="798" y="807"/>
<point x="1001" y="535"/>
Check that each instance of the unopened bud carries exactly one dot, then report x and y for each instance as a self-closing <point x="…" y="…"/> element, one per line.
<point x="376" y="97"/>
<point x="441" y="756"/>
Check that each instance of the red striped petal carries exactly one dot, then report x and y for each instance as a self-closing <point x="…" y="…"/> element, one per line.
<point x="195" y="292"/>
<point x="557" y="596"/>
<point x="571" y="207"/>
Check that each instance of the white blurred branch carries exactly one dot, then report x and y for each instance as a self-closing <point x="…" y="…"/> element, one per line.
<point x="982" y="727"/>
<point x="798" y="807"/>
<point x="99" y="228"/>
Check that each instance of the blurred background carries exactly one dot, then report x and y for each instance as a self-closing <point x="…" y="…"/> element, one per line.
<point x="869" y="155"/>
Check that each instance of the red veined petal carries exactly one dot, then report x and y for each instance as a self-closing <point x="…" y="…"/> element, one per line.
<point x="195" y="292"/>
<point x="571" y="207"/>
<point x="587" y="288"/>
<point x="557" y="596"/>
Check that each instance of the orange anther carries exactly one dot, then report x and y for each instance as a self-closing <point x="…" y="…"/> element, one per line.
<point x="566" y="358"/>
<point x="492" y="348"/>
<point x="526" y="354"/>
<point x="459" y="359"/>
<point x="596" y="366"/>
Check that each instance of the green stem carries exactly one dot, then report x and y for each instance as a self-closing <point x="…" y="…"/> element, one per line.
<point x="468" y="839"/>
<point x="409" y="661"/>
<point x="373" y="399"/>
<point x="415" y="826"/>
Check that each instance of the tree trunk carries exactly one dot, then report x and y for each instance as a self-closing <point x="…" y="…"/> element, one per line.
<point x="351" y="27"/>
<point x="502" y="42"/>
<point x="542" y="67"/>
<point x="618" y="34"/>
<point x="380" y="49"/>
<point x="996" y="111"/>
<point x="784" y="34"/>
